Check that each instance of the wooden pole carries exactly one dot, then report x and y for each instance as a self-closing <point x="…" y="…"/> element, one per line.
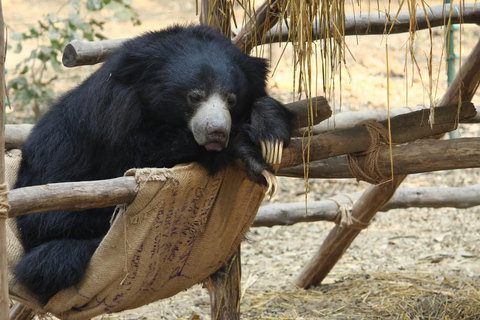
<point x="79" y="53"/>
<point x="225" y="298"/>
<point x="286" y="214"/>
<point x="4" y="299"/>
<point x="74" y="196"/>
<point x="339" y="239"/>
<point x="419" y="156"/>
<point x="404" y="128"/>
<point x="389" y="23"/>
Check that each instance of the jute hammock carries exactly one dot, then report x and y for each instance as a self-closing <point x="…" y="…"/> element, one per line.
<point x="182" y="226"/>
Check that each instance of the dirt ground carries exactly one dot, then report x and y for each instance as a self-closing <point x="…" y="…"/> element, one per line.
<point x="409" y="264"/>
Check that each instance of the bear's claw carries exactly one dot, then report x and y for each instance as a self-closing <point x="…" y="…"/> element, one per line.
<point x="272" y="151"/>
<point x="271" y="182"/>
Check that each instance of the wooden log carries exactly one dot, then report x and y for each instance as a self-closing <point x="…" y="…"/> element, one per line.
<point x="16" y="134"/>
<point x="349" y="119"/>
<point x="345" y="120"/>
<point x="389" y="23"/>
<point x="80" y="53"/>
<point x="226" y="294"/>
<point x="319" y="105"/>
<point x="285" y="214"/>
<point x="428" y="155"/>
<point x="404" y="128"/>
<point x="72" y="196"/>
<point x="339" y="239"/>
<point x="276" y="214"/>
<point x="4" y="299"/>
<point x="419" y="156"/>
<point x="20" y="312"/>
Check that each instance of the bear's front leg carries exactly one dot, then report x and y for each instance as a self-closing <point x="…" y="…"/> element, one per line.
<point x="262" y="140"/>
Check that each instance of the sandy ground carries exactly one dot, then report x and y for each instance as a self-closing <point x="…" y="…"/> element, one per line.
<point x="436" y="251"/>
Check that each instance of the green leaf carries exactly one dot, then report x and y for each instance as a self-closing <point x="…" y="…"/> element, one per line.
<point x="18" y="48"/>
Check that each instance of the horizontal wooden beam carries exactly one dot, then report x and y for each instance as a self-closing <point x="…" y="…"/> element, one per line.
<point x="426" y="155"/>
<point x="385" y="23"/>
<point x="404" y="128"/>
<point x="327" y="210"/>
<point x="74" y="196"/>
<point x="79" y="53"/>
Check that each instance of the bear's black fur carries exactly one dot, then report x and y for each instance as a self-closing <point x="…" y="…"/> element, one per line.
<point x="140" y="109"/>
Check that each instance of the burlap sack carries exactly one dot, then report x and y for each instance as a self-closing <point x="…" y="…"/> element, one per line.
<point x="182" y="226"/>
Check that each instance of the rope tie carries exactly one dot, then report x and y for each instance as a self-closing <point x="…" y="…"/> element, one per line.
<point x="4" y="206"/>
<point x="345" y="219"/>
<point x="379" y="141"/>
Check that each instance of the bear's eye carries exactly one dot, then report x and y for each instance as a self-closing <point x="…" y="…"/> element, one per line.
<point x="195" y="96"/>
<point x="231" y="99"/>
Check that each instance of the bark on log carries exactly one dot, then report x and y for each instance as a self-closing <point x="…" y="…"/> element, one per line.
<point x="404" y="128"/>
<point x="285" y="214"/>
<point x="381" y="23"/>
<point x="419" y="156"/>
<point x="339" y="239"/>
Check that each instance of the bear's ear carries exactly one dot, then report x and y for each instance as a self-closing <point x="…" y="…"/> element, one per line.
<point x="256" y="70"/>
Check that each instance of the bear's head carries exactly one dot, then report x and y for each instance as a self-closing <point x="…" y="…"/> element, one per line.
<point x="192" y="77"/>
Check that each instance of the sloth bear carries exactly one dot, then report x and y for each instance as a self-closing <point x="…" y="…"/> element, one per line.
<point x="175" y="96"/>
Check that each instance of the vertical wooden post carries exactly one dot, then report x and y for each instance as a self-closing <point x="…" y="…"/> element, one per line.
<point x="225" y="299"/>
<point x="338" y="240"/>
<point x="4" y="300"/>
